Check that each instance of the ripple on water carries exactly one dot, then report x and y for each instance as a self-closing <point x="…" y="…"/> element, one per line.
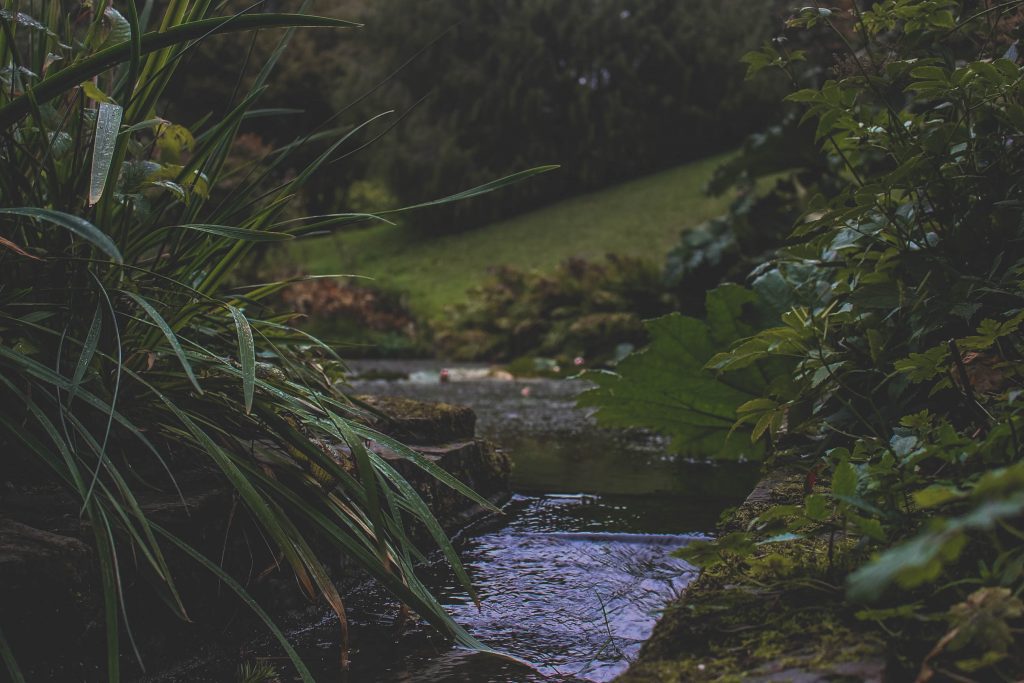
<point x="573" y="602"/>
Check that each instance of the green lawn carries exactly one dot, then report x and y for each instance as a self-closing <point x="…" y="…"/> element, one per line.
<point x="641" y="217"/>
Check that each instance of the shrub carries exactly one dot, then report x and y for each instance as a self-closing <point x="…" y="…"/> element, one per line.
<point x="581" y="309"/>
<point x="618" y="88"/>
<point x="366" y="320"/>
<point x="897" y="354"/>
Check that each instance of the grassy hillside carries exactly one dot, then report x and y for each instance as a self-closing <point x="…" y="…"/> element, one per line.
<point x="642" y="217"/>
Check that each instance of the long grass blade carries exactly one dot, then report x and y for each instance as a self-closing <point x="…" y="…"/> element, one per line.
<point x="172" y="338"/>
<point x="8" y="244"/>
<point x="480" y="189"/>
<point x="108" y="580"/>
<point x="118" y="368"/>
<point x="92" y="339"/>
<point x="108" y="121"/>
<point x="246" y="356"/>
<point x="135" y="52"/>
<point x="10" y="663"/>
<point x="234" y="233"/>
<point x="74" y="224"/>
<point x="245" y="597"/>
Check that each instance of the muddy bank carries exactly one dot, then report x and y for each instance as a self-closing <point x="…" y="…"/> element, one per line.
<point x="733" y="624"/>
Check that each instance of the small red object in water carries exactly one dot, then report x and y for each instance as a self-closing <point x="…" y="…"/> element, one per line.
<point x="577" y="361"/>
<point x="444" y="375"/>
<point x="525" y="391"/>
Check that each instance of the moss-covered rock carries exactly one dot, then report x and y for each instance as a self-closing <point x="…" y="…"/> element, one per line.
<point x="445" y="434"/>
<point x="46" y="587"/>
<point x="734" y="625"/>
<point x="420" y="422"/>
<point x="475" y="463"/>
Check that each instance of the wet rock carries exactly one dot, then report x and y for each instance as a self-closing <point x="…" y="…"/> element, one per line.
<point x="444" y="434"/>
<point x="420" y="422"/>
<point x="475" y="463"/>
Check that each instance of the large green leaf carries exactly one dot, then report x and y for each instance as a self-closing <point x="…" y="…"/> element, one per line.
<point x="666" y="387"/>
<point x="924" y="557"/>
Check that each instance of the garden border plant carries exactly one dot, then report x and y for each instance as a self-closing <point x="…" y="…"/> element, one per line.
<point x="127" y="351"/>
<point x="893" y="374"/>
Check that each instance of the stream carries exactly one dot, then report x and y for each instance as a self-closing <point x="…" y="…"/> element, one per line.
<point x="573" y="576"/>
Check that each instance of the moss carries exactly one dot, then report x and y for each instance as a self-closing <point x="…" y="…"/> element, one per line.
<point x="777" y="488"/>
<point x="736" y="633"/>
<point x="422" y="423"/>
<point x="739" y="622"/>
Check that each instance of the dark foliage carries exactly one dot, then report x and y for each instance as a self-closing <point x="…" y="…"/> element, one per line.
<point x="609" y="90"/>
<point x="899" y="328"/>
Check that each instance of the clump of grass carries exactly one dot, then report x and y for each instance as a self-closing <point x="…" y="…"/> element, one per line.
<point x="257" y="672"/>
<point x="127" y="350"/>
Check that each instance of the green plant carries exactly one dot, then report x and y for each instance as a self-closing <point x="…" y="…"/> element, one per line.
<point x="128" y="350"/>
<point x="689" y="403"/>
<point x="905" y="342"/>
<point x="582" y="308"/>
<point x="258" y="672"/>
<point x="365" y="319"/>
<point x="727" y="248"/>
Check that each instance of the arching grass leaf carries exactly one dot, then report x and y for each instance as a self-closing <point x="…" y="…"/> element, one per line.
<point x="79" y="226"/>
<point x="172" y="338"/>
<point x="246" y="355"/>
<point x="236" y="233"/>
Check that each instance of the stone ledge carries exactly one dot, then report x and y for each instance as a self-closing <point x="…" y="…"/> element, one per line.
<point x="726" y="628"/>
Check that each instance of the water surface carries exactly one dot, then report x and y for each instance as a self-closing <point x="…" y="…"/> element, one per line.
<point x="574" y="575"/>
<point x="571" y="577"/>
